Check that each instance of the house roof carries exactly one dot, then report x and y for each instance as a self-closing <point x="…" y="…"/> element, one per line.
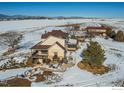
<point x="41" y="47"/>
<point x="56" y="33"/>
<point x="103" y="28"/>
<point x="72" y="41"/>
<point x="79" y="33"/>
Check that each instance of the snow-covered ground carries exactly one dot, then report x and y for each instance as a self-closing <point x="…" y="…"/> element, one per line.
<point x="76" y="77"/>
<point x="33" y="29"/>
<point x="25" y="25"/>
<point x="28" y="24"/>
<point x="12" y="73"/>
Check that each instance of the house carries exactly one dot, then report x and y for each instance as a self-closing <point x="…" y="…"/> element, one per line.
<point x="56" y="33"/>
<point x="52" y="48"/>
<point x="72" y="44"/>
<point x="76" y="27"/>
<point x="81" y="38"/>
<point x="79" y="35"/>
<point x="97" y="30"/>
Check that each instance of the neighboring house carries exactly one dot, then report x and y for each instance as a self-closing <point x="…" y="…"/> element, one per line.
<point x="56" y="33"/>
<point x="51" y="48"/>
<point x="81" y="38"/>
<point x="76" y="27"/>
<point x="72" y="45"/>
<point x="97" y="30"/>
<point x="79" y="35"/>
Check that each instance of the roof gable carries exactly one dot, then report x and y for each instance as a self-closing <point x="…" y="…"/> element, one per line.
<point x="53" y="38"/>
<point x="46" y="47"/>
<point x="57" y="43"/>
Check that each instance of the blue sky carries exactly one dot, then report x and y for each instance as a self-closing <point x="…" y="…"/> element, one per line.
<point x="83" y="9"/>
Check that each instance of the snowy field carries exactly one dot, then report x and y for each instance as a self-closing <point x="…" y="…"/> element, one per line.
<point x="33" y="24"/>
<point x="33" y="29"/>
<point x="25" y="25"/>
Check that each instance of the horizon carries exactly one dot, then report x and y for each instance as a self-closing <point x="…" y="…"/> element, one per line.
<point x="66" y="9"/>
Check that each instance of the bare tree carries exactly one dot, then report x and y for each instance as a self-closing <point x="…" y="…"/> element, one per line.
<point x="10" y="39"/>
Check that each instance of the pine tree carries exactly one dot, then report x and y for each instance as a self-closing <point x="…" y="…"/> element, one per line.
<point x="113" y="35"/>
<point x="109" y="32"/>
<point x="120" y="36"/>
<point x="94" y="54"/>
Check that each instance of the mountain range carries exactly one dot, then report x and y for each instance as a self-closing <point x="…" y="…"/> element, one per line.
<point x="22" y="17"/>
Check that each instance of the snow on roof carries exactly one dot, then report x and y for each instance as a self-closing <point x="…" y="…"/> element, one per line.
<point x="72" y="41"/>
<point x="80" y="34"/>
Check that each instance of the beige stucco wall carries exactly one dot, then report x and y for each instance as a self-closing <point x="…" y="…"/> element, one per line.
<point x="51" y="40"/>
<point x="56" y="48"/>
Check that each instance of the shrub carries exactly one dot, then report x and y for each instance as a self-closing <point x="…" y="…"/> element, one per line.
<point x="3" y="84"/>
<point x="19" y="82"/>
<point x="120" y="36"/>
<point x="93" y="69"/>
<point x="109" y="32"/>
<point x="48" y="77"/>
<point x="53" y="79"/>
<point x="47" y="73"/>
<point x="118" y="83"/>
<point x="40" y="78"/>
<point x="112" y="67"/>
<point x="73" y="36"/>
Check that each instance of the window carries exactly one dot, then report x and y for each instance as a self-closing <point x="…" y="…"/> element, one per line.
<point x="44" y="51"/>
<point x="55" y="53"/>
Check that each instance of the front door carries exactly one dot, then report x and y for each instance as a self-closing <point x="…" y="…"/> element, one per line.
<point x="55" y="54"/>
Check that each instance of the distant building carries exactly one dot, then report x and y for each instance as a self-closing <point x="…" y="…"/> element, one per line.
<point x="97" y="30"/>
<point x="79" y="35"/>
<point x="72" y="44"/>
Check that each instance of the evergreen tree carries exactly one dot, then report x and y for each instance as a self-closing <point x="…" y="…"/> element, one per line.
<point x="113" y="35"/>
<point x="109" y="32"/>
<point x="90" y="35"/>
<point x="94" y="54"/>
<point x="120" y="36"/>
